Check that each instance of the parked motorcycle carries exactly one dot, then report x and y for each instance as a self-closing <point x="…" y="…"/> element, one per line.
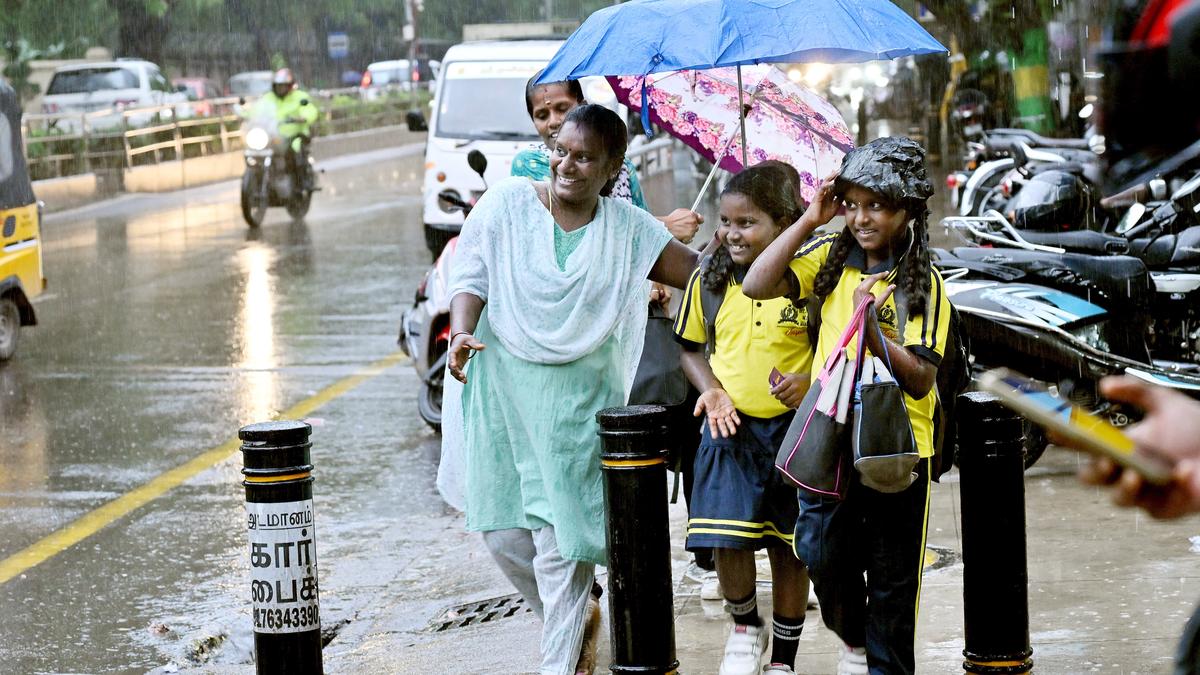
<point x="1056" y="336"/>
<point x="1005" y="159"/>
<point x="425" y="327"/>
<point x="1162" y="237"/>
<point x="267" y="181"/>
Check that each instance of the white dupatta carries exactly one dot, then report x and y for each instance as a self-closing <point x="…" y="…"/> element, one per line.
<point x="505" y="255"/>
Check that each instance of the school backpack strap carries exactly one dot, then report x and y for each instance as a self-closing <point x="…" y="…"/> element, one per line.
<point x="710" y="304"/>
<point x="813" y="305"/>
<point x="953" y="378"/>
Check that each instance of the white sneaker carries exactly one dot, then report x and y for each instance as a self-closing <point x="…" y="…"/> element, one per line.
<point x="778" y="669"/>
<point x="710" y="587"/>
<point x="852" y="660"/>
<point x="694" y="572"/>
<point x="744" y="650"/>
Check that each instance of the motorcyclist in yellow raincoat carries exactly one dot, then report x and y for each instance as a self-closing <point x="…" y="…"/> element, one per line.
<point x="295" y="113"/>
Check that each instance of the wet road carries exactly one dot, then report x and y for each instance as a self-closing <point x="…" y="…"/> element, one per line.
<point x="167" y="326"/>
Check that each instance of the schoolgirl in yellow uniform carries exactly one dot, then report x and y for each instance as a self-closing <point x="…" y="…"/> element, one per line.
<point x="882" y="250"/>
<point x="755" y="375"/>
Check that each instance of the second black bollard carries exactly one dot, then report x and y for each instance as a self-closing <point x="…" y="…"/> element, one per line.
<point x="641" y="598"/>
<point x="283" y="552"/>
<point x="995" y="576"/>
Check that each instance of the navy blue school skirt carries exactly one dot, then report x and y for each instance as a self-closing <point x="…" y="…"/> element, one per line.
<point x="739" y="499"/>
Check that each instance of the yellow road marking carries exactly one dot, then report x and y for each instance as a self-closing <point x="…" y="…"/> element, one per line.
<point x="93" y="521"/>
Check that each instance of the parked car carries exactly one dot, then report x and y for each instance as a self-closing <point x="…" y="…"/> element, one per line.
<point x="251" y="83"/>
<point x="201" y="91"/>
<point x="384" y="77"/>
<point x="124" y="83"/>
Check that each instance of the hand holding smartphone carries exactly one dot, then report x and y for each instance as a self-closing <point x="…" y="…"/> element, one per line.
<point x="1079" y="428"/>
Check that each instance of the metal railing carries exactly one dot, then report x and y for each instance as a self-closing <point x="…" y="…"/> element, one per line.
<point x="115" y="139"/>
<point x="653" y="157"/>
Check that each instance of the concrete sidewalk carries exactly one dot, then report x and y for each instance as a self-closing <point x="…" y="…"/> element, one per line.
<point x="1109" y="592"/>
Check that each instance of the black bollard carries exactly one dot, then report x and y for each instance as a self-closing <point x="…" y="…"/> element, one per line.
<point x="641" y="597"/>
<point x="995" y="578"/>
<point x="283" y="552"/>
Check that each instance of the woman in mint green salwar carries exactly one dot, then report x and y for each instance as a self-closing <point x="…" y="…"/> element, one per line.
<point x="548" y="303"/>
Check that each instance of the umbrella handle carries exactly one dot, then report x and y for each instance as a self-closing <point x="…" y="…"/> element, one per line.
<point x="745" y="107"/>
<point x="708" y="181"/>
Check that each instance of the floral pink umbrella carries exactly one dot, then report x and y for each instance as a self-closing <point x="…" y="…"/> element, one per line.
<point x="783" y="120"/>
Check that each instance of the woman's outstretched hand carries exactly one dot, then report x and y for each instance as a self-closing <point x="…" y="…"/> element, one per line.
<point x="723" y="419"/>
<point x="462" y="346"/>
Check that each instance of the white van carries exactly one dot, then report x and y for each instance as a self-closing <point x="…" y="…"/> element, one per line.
<point x="479" y="104"/>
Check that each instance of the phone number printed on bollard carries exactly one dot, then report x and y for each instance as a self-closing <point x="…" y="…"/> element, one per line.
<point x="283" y="567"/>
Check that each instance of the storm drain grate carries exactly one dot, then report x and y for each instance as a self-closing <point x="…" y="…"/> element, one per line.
<point x="480" y="611"/>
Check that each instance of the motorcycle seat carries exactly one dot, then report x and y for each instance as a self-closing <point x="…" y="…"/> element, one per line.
<point x="944" y="259"/>
<point x="1124" y="279"/>
<point x="1156" y="251"/>
<point x="1037" y="140"/>
<point x="1079" y="241"/>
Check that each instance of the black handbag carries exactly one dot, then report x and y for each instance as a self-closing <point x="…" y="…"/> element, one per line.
<point x="659" y="379"/>
<point x="814" y="455"/>
<point x="885" y="452"/>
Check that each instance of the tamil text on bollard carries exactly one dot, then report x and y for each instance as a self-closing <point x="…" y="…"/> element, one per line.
<point x="283" y="552"/>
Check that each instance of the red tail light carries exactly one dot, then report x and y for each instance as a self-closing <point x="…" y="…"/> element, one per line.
<point x="416" y="76"/>
<point x="366" y="80"/>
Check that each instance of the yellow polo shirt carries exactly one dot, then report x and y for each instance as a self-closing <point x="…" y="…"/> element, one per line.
<point x="924" y="334"/>
<point x="753" y="337"/>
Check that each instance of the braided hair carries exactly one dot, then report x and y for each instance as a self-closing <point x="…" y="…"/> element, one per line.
<point x="772" y="187"/>
<point x="894" y="170"/>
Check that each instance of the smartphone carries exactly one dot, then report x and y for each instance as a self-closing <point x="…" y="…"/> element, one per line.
<point x="775" y="377"/>
<point x="1084" y="430"/>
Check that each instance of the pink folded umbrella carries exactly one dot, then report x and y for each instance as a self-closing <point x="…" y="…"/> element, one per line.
<point x="783" y="120"/>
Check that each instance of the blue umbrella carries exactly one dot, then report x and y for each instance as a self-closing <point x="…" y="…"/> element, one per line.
<point x="649" y="36"/>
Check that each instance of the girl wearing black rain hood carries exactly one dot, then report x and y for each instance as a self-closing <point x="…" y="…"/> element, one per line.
<point x="882" y="250"/>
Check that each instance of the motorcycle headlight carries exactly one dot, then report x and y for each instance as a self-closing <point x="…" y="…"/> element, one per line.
<point x="257" y="139"/>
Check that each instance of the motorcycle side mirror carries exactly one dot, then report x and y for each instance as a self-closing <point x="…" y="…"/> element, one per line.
<point x="1158" y="188"/>
<point x="477" y="161"/>
<point x="415" y="120"/>
<point x="1131" y="217"/>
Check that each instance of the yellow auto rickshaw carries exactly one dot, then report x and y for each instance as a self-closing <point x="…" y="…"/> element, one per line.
<point x="21" y="274"/>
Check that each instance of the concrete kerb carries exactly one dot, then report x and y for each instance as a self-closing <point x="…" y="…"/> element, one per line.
<point x="69" y="192"/>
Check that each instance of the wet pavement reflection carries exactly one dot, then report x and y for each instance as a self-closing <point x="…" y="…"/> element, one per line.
<point x="167" y="325"/>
